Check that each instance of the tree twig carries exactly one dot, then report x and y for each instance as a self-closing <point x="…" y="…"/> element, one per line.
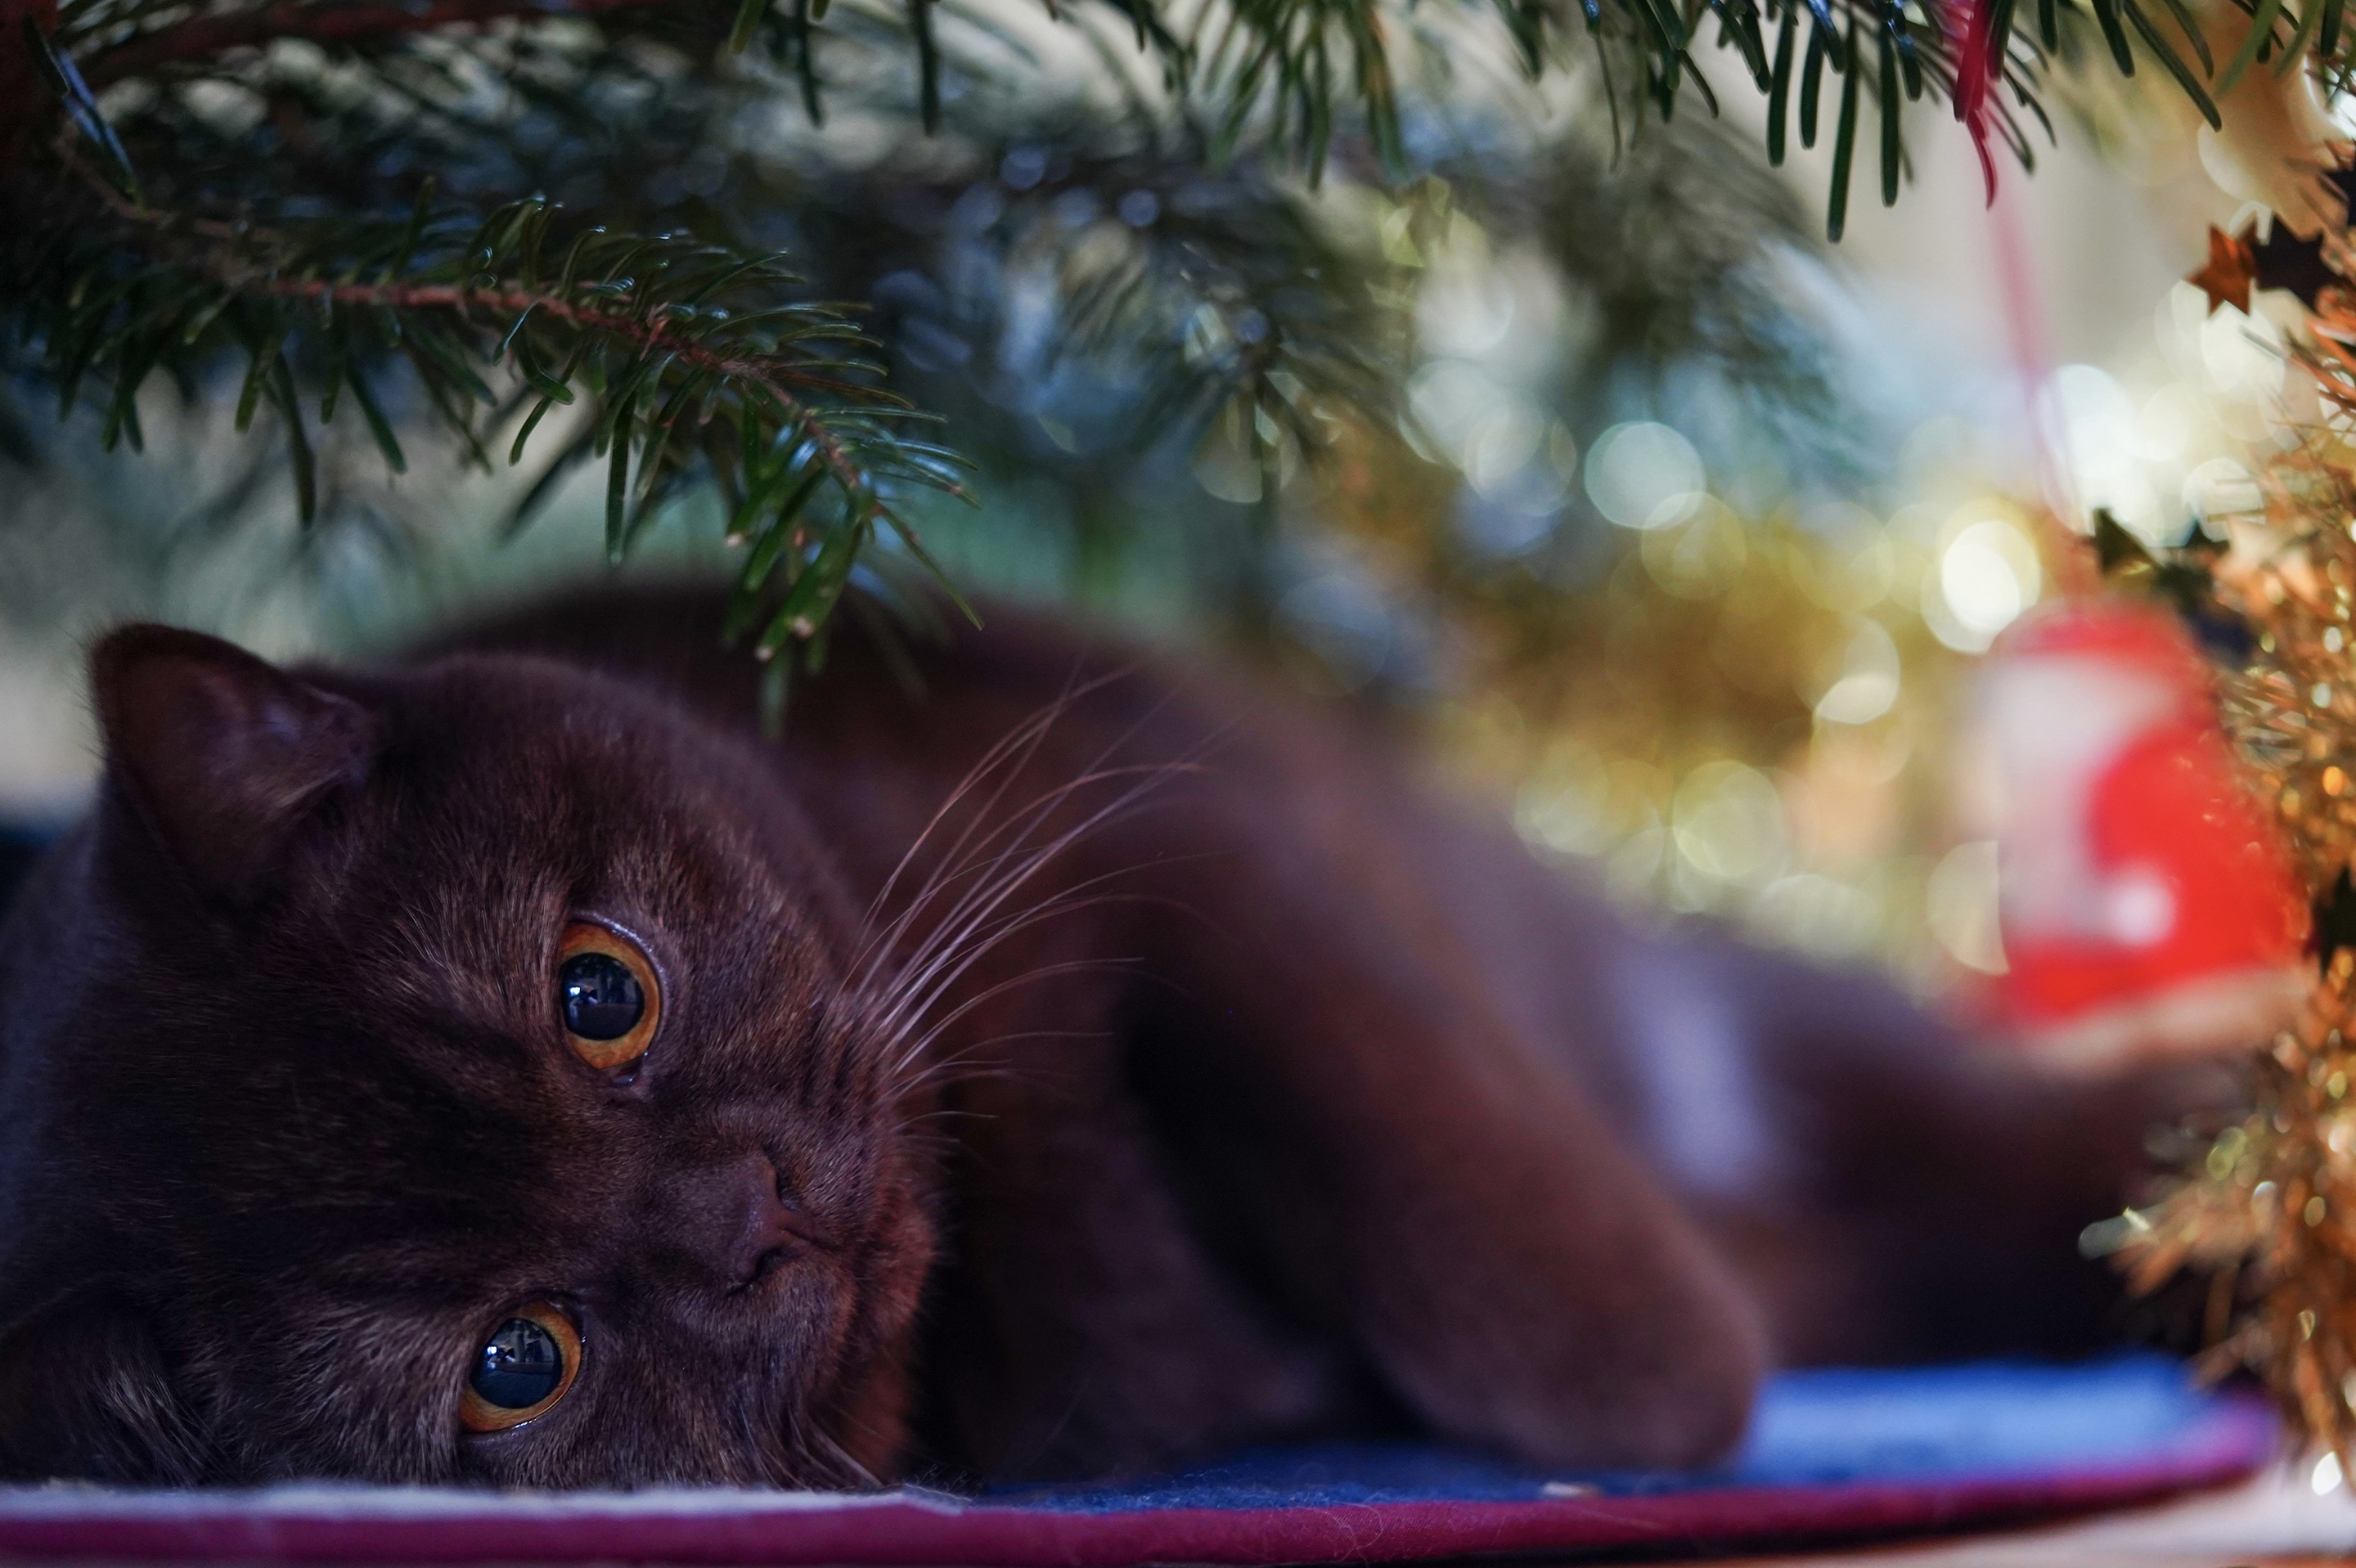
<point x="649" y="332"/>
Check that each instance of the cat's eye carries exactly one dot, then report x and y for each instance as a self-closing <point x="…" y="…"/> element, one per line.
<point x="607" y="995"/>
<point x="526" y="1365"/>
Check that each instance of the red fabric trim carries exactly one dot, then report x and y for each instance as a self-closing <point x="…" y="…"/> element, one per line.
<point x="917" y="1531"/>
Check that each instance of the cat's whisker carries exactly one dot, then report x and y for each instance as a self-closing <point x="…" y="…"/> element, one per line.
<point x="966" y="1067"/>
<point x="919" y="998"/>
<point x="947" y="875"/>
<point x="963" y="1068"/>
<point x="914" y="983"/>
<point x="917" y="990"/>
<point x="1025" y="738"/>
<point x="1015" y="833"/>
<point x="962" y="854"/>
<point x="1026" y="857"/>
<point x="956" y="923"/>
<point x="868" y="1480"/>
<point x="1069" y="966"/>
<point x="1067" y="902"/>
<point x="945" y="947"/>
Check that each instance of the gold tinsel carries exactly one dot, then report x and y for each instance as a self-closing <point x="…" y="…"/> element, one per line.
<point x="2268" y="1210"/>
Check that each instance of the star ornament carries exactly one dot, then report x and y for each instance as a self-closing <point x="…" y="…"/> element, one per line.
<point x="2287" y="261"/>
<point x="2343" y="180"/>
<point x="2232" y="268"/>
<point x="2239" y="263"/>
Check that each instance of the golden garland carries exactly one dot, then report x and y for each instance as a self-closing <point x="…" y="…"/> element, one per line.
<point x="2268" y="1209"/>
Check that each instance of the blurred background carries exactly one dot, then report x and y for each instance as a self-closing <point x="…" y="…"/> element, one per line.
<point x="1667" y="524"/>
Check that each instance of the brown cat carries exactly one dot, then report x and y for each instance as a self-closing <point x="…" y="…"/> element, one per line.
<point x="509" y="1069"/>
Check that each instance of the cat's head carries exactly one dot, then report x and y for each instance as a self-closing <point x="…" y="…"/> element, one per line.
<point x="444" y="1075"/>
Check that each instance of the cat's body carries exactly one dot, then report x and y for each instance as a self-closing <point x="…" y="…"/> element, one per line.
<point x="1085" y="1064"/>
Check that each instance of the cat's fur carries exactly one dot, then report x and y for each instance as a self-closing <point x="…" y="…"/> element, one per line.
<point x="1150" y="1066"/>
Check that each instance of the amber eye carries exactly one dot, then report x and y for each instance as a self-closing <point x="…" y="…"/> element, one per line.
<point x="606" y="996"/>
<point x="523" y="1369"/>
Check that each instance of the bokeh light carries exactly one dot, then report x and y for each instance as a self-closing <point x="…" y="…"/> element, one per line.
<point x="1645" y="475"/>
<point x="1987" y="575"/>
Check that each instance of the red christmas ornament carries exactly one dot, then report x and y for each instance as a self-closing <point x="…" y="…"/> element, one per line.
<point x="2145" y="905"/>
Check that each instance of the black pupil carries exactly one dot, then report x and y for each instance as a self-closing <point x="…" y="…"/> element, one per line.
<point x="601" y="997"/>
<point x="519" y="1366"/>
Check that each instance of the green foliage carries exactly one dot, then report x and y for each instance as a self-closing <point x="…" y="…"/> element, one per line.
<point x="671" y="360"/>
<point x="1231" y="297"/>
<point x="555" y="238"/>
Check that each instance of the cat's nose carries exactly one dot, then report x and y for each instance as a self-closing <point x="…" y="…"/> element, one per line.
<point x="759" y="1225"/>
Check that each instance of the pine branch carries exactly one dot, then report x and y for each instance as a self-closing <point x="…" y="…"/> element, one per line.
<point x="203" y="37"/>
<point x="293" y="241"/>
<point x="1299" y="344"/>
<point x="652" y="335"/>
<point x="1293" y="73"/>
<point x="699" y="361"/>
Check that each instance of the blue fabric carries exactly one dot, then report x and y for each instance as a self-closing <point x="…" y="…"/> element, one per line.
<point x="1909" y="1425"/>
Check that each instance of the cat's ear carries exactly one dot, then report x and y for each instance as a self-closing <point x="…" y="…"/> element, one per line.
<point x="221" y="753"/>
<point x="85" y="1394"/>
